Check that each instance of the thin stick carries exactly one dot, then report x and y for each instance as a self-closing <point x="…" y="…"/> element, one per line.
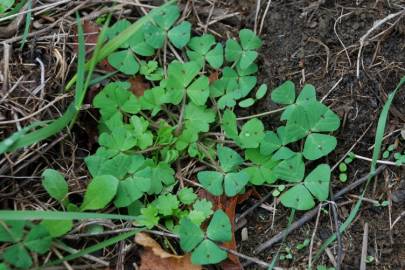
<point x="258" y="3"/>
<point x="6" y="55"/>
<point x="260" y="114"/>
<point x="386" y="162"/>
<point x="253" y="207"/>
<point x="364" y="248"/>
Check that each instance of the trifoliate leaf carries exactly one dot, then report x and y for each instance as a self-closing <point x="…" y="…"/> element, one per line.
<point x="284" y="94"/>
<point x="55" y="184"/>
<point x="124" y="61"/>
<point x="198" y="117"/>
<point x="270" y="143"/>
<point x="215" y="57"/>
<point x="211" y="181"/>
<point x="297" y="197"/>
<point x="161" y="174"/>
<point x="318" y="145"/>
<point x="252" y="133"/>
<point x="149" y="217"/>
<point x="38" y="239"/>
<point x="233" y="50"/>
<point x="290" y="170"/>
<point x="220" y="229"/>
<point x="116" y="97"/>
<point x="249" y="40"/>
<point x="180" y="34"/>
<point x="208" y="253"/>
<point x="106" y="185"/>
<point x="190" y="235"/>
<point x="317" y="182"/>
<point x="140" y="130"/>
<point x="187" y="196"/>
<point x="235" y="182"/>
<point x="121" y="139"/>
<point x="227" y="100"/>
<point x="229" y="160"/>
<point x="203" y="206"/>
<point x="116" y="166"/>
<point x="322" y="119"/>
<point x="133" y="188"/>
<point x="202" y="44"/>
<point x="199" y="91"/>
<point x="307" y="94"/>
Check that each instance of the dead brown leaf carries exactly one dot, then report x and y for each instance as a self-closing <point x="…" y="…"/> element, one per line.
<point x="138" y="85"/>
<point x="153" y="257"/>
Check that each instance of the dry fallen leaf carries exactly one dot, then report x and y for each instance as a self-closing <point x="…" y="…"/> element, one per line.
<point x="153" y="257"/>
<point x="138" y="85"/>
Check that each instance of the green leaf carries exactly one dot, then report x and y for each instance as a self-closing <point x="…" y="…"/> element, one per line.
<point x="307" y="94"/>
<point x="133" y="188"/>
<point x="18" y="256"/>
<point x="252" y="133"/>
<point x="180" y="34"/>
<point x="117" y="166"/>
<point x="190" y="235"/>
<point x="154" y="36"/>
<point x="229" y="160"/>
<point x="182" y="74"/>
<point x="116" y="29"/>
<point x="208" y="253"/>
<point x="187" y="196"/>
<point x="270" y="143"/>
<point x="211" y="181"/>
<point x="229" y="124"/>
<point x="106" y="185"/>
<point x="246" y="103"/>
<point x="215" y="57"/>
<point x="317" y="182"/>
<point x="124" y="61"/>
<point x="318" y="145"/>
<point x="166" y="17"/>
<point x="199" y="91"/>
<point x="297" y="197"/>
<point x="166" y="204"/>
<point x="121" y="139"/>
<point x="198" y="117"/>
<point x="116" y="97"/>
<point x="249" y="40"/>
<point x="201" y="44"/>
<point x="261" y="92"/>
<point x="235" y="182"/>
<point x="203" y="206"/>
<point x="284" y="94"/>
<point x="38" y="239"/>
<point x="220" y="229"/>
<point x="138" y="44"/>
<point x="259" y="175"/>
<point x="322" y="119"/>
<point x="283" y="153"/>
<point x="57" y="228"/>
<point x="11" y="231"/>
<point x="233" y="50"/>
<point x="143" y="135"/>
<point x="149" y="217"/>
<point x="55" y="184"/>
<point x="291" y="170"/>
<point x="247" y="58"/>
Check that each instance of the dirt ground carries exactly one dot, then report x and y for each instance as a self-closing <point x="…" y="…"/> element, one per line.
<point x="314" y="42"/>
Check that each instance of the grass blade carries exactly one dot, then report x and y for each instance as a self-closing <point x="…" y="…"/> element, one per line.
<point x="28" y="19"/>
<point x="81" y="62"/>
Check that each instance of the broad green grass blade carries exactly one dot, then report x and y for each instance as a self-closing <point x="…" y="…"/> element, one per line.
<point x="58" y="215"/>
<point x="28" y="19"/>
<point x="13" y="11"/>
<point x="101" y="245"/>
<point x="81" y="62"/>
<point x="382" y="120"/>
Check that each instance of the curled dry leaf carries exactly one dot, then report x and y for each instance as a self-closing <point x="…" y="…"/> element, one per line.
<point x="153" y="257"/>
<point x="138" y="85"/>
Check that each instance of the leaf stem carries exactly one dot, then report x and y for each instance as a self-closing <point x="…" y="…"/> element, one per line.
<point x="261" y="114"/>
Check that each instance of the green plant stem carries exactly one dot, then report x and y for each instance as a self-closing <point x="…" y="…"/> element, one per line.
<point x="261" y="114"/>
<point x="181" y="116"/>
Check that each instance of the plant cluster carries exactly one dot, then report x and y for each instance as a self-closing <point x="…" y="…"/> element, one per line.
<point x="185" y="117"/>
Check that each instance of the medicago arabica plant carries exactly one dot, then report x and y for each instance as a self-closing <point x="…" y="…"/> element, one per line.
<point x="188" y="118"/>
